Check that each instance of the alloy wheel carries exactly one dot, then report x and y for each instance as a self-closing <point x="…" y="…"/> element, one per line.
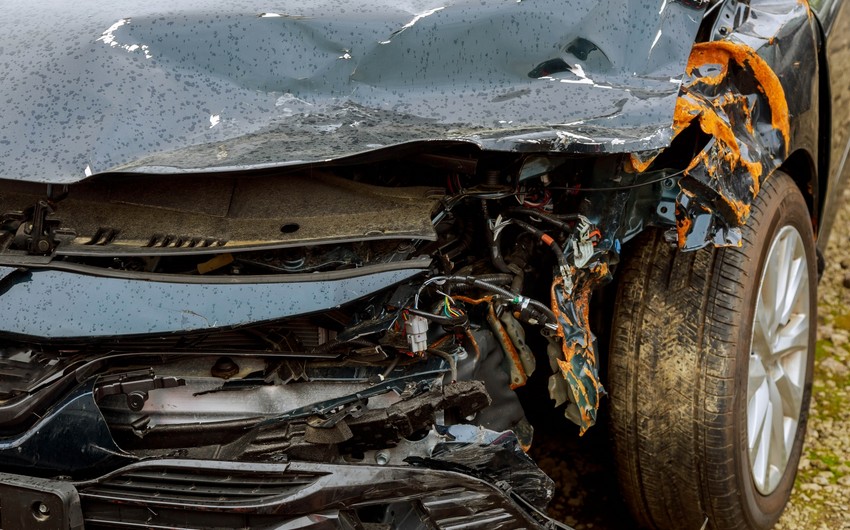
<point x="778" y="360"/>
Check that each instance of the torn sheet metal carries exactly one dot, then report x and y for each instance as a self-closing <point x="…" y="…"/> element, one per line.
<point x="733" y="95"/>
<point x="195" y="85"/>
<point x="77" y="436"/>
<point x="580" y="365"/>
<point x="572" y="354"/>
<point x="499" y="456"/>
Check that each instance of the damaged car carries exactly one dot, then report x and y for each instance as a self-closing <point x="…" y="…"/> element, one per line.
<point x="296" y="265"/>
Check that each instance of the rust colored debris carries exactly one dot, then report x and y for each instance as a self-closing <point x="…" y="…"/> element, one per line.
<point x="579" y="365"/>
<point x="738" y="102"/>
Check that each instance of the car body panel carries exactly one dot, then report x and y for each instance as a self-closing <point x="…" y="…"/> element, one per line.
<point x="834" y="15"/>
<point x="768" y="76"/>
<point x="198" y="86"/>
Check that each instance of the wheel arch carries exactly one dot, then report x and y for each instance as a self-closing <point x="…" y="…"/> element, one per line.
<point x="802" y="168"/>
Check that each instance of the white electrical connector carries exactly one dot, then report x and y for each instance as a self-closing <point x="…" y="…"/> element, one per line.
<point x="582" y="252"/>
<point x="582" y="245"/>
<point x="416" y="329"/>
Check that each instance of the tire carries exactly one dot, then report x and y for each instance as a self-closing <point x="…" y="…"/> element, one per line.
<point x="683" y="348"/>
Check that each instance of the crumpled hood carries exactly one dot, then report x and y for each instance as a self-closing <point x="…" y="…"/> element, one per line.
<point x="198" y="85"/>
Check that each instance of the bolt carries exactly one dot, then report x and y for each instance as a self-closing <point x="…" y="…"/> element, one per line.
<point x="43" y="245"/>
<point x="225" y="368"/>
<point x="40" y="512"/>
<point x="136" y="400"/>
<point x="382" y="458"/>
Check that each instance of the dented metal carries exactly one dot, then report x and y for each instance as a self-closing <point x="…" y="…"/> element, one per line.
<point x="199" y="86"/>
<point x="733" y="94"/>
<point x="727" y="84"/>
<point x="580" y="364"/>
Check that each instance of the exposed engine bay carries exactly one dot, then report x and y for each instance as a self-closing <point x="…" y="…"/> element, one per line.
<point x="495" y="258"/>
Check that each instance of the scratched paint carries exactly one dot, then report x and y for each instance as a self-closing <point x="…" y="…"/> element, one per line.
<point x="733" y="96"/>
<point x="737" y="100"/>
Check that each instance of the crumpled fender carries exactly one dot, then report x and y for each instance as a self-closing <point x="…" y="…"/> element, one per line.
<point x="733" y="94"/>
<point x="734" y="97"/>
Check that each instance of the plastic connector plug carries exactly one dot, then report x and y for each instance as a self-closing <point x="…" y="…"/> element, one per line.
<point x="416" y="329"/>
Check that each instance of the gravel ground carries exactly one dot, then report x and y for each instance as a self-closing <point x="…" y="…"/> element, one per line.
<point x="587" y="495"/>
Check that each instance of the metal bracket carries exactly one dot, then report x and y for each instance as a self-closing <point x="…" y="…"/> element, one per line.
<point x="135" y="386"/>
<point x="31" y="503"/>
<point x="334" y="416"/>
<point x="732" y="14"/>
<point x="42" y="240"/>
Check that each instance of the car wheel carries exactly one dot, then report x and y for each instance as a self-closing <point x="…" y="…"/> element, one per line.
<point x="710" y="370"/>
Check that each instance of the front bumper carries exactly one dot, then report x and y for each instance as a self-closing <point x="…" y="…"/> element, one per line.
<point x="194" y="494"/>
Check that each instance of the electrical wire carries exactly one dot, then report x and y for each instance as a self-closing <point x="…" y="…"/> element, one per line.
<point x="618" y="188"/>
<point x="459" y="321"/>
<point x="472" y="281"/>
<point x="559" y="221"/>
<point x="449" y="358"/>
<point x="546" y="240"/>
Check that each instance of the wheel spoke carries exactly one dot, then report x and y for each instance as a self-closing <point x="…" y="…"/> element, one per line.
<point x="790" y="298"/>
<point x="757" y="408"/>
<point x="766" y="308"/>
<point x="757" y="375"/>
<point x="790" y="395"/>
<point x="790" y="433"/>
<point x="763" y="326"/>
<point x="781" y="267"/>
<point x="761" y="462"/>
<point x="778" y="455"/>
<point x="791" y="338"/>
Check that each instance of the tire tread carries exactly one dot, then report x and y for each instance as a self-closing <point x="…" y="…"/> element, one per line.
<point x="672" y="360"/>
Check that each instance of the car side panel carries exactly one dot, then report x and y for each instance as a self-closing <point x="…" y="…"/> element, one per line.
<point x="835" y="20"/>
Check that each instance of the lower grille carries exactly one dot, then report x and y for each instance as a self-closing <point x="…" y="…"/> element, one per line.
<point x="200" y="494"/>
<point x="455" y="509"/>
<point x="180" y="484"/>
